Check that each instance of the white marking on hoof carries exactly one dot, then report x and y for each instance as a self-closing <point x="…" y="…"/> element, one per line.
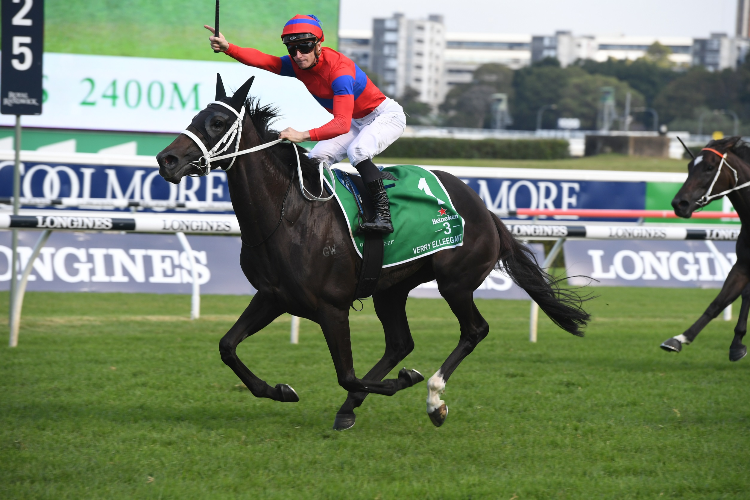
<point x="435" y="387"/>
<point x="682" y="339"/>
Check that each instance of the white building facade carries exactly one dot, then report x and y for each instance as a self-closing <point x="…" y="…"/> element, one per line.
<point x="419" y="54"/>
<point x="409" y="53"/>
<point x="719" y="52"/>
<point x="567" y="48"/>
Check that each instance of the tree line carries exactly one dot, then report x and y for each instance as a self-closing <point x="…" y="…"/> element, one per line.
<point x="682" y="97"/>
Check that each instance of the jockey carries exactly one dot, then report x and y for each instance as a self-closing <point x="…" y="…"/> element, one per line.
<point x="365" y="121"/>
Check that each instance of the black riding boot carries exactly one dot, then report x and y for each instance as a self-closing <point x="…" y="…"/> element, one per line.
<point x="382" y="221"/>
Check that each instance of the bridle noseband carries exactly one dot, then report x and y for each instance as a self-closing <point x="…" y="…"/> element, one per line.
<point x="706" y="198"/>
<point x="234" y="134"/>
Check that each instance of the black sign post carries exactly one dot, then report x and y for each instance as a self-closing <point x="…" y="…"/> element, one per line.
<point x="20" y="94"/>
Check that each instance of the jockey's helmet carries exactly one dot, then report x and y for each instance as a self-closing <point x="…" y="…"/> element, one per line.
<point x="302" y="27"/>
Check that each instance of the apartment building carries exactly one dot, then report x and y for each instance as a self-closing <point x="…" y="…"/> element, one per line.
<point x="410" y="53"/>
<point x="719" y="52"/>
<point x="567" y="48"/>
<point x="418" y="53"/>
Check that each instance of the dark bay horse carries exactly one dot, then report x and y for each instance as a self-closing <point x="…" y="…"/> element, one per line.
<point x="286" y="255"/>
<point x="722" y="169"/>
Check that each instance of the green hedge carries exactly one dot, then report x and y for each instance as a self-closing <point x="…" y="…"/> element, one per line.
<point x="525" y="149"/>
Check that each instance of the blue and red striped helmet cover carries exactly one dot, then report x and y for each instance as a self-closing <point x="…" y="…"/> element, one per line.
<point x="302" y="24"/>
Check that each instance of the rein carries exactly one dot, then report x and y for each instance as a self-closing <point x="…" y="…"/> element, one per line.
<point x="281" y="217"/>
<point x="235" y="132"/>
<point x="706" y="198"/>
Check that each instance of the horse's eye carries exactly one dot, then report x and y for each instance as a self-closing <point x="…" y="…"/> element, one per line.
<point x="217" y="124"/>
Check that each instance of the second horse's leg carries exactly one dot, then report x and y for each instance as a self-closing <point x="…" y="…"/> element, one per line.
<point x="259" y="314"/>
<point x="733" y="286"/>
<point x="390" y="306"/>
<point x="737" y="350"/>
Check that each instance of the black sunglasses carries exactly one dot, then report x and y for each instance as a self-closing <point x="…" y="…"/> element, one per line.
<point x="303" y="48"/>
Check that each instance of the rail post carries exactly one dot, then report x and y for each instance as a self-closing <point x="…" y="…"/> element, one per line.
<point x="14" y="232"/>
<point x="534" y="315"/>
<point x="294" y="338"/>
<point x="195" y="303"/>
<point x="20" y="290"/>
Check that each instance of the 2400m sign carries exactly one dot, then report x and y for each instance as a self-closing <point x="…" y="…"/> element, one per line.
<point x="133" y="94"/>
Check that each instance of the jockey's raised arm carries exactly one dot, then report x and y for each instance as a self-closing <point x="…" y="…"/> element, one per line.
<point x="364" y="122"/>
<point x="218" y="42"/>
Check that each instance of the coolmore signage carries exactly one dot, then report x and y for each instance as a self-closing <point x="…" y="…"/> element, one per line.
<point x="84" y="181"/>
<point x="507" y="189"/>
<point x="86" y="177"/>
<point x="156" y="95"/>
<point x="151" y="263"/>
<point x="510" y="194"/>
<point x="672" y="264"/>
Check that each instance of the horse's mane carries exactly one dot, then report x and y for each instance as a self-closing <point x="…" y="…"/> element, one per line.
<point x="740" y="148"/>
<point x="262" y="118"/>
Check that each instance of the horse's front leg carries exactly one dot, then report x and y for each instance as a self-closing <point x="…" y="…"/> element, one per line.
<point x="390" y="306"/>
<point x="259" y="313"/>
<point x="736" y="281"/>
<point x="335" y="325"/>
<point x="737" y="350"/>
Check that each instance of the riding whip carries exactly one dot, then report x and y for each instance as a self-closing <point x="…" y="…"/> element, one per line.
<point x="216" y="24"/>
<point x="683" y="144"/>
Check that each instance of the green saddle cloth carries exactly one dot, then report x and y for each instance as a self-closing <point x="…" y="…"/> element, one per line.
<point x="424" y="220"/>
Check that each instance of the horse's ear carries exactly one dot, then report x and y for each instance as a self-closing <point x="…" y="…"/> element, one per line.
<point x="732" y="142"/>
<point x="220" y="92"/>
<point x="239" y="97"/>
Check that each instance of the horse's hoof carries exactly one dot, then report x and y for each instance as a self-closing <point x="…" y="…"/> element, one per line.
<point x="738" y="353"/>
<point x="438" y="415"/>
<point x="343" y="421"/>
<point x="671" y="345"/>
<point x="288" y="395"/>
<point x="411" y="377"/>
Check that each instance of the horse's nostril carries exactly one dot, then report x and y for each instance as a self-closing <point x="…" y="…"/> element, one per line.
<point x="680" y="204"/>
<point x="168" y="160"/>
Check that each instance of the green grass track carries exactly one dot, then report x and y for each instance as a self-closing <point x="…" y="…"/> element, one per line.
<point x="121" y="396"/>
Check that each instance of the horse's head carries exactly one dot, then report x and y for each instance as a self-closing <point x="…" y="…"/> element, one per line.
<point x="711" y="173"/>
<point x="209" y="128"/>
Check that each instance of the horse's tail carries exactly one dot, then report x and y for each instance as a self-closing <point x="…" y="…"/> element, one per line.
<point x="563" y="306"/>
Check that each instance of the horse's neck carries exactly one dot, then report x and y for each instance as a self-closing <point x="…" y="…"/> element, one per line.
<point x="256" y="187"/>
<point x="741" y="203"/>
<point x="741" y="198"/>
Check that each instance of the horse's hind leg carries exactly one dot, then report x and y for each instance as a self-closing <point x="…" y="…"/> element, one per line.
<point x="473" y="329"/>
<point x="737" y="350"/>
<point x="390" y="306"/>
<point x="258" y="314"/>
<point x="736" y="281"/>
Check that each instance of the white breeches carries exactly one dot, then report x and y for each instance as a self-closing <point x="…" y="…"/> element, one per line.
<point x="366" y="138"/>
